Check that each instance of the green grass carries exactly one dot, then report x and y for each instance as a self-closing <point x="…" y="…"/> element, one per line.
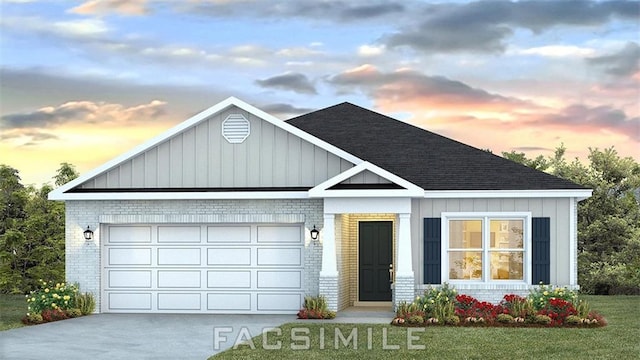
<point x="618" y="340"/>
<point x="12" y="309"/>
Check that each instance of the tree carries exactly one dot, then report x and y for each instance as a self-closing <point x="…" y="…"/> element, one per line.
<point x="31" y="232"/>
<point x="12" y="198"/>
<point x="65" y="173"/>
<point x="608" y="222"/>
<point x="539" y="163"/>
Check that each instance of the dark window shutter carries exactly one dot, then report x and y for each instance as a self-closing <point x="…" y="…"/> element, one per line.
<point x="541" y="250"/>
<point x="432" y="248"/>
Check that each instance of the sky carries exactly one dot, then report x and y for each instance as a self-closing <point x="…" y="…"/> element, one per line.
<point x="85" y="81"/>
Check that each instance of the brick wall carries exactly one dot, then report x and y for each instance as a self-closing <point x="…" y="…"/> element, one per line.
<point x="83" y="263"/>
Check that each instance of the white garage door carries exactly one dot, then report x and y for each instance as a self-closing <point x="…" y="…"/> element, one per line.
<point x="247" y="268"/>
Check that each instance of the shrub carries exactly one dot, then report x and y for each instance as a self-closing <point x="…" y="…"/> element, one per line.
<point x="50" y="296"/>
<point x="315" y="307"/>
<point x="452" y="320"/>
<point x="583" y="309"/>
<point x="74" y="313"/>
<point x="32" y="319"/>
<point x="542" y="319"/>
<point x="504" y="318"/>
<point x="405" y="309"/>
<point x="558" y="310"/>
<point x="416" y="320"/>
<point x="517" y="306"/>
<point x="53" y="315"/>
<point x="541" y="295"/>
<point x="437" y="302"/>
<point x="86" y="303"/>
<point x="573" y="320"/>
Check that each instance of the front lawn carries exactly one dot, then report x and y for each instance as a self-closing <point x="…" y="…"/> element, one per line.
<point x="617" y="340"/>
<point x="12" y="309"/>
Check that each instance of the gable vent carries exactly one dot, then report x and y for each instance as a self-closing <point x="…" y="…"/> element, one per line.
<point x="235" y="128"/>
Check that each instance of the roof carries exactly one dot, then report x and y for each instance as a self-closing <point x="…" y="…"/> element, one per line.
<point x="426" y="159"/>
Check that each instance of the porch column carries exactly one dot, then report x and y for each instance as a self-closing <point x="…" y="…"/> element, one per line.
<point x="329" y="271"/>
<point x="404" y="287"/>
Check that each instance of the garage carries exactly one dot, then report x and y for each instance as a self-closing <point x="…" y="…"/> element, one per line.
<point x="202" y="268"/>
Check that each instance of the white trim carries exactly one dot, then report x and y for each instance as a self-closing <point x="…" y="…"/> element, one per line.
<point x="404" y="263"/>
<point x="580" y="194"/>
<point x="572" y="242"/>
<point x="329" y="256"/>
<point x="367" y="205"/>
<point x="444" y="261"/>
<point x="410" y="189"/>
<point x="59" y="193"/>
<point x="182" y="195"/>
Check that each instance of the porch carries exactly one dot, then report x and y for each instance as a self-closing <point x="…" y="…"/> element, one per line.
<point x="366" y="253"/>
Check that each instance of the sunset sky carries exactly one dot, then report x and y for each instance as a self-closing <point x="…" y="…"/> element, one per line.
<point x="84" y="81"/>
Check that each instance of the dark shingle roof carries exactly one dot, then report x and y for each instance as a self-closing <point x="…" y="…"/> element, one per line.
<point x="426" y="159"/>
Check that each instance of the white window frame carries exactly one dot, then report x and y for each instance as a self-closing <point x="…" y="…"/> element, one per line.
<point x="486" y="263"/>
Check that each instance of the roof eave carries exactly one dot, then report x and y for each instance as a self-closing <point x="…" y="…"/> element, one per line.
<point x="579" y="194"/>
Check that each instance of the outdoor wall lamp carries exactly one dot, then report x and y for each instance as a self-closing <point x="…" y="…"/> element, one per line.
<point x="88" y="234"/>
<point x="314" y="233"/>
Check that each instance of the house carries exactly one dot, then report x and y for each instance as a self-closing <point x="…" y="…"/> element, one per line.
<point x="217" y="214"/>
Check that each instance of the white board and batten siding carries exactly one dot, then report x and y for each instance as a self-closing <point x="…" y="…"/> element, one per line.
<point x="205" y="268"/>
<point x="201" y="157"/>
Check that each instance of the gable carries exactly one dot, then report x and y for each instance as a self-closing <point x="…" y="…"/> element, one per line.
<point x="202" y="157"/>
<point x="204" y="154"/>
<point x="366" y="179"/>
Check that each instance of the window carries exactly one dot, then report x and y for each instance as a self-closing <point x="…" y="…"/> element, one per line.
<point x="485" y="248"/>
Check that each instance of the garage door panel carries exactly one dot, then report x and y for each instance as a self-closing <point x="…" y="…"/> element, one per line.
<point x="179" y="279"/>
<point x="279" y="234"/>
<point x="229" y="279"/>
<point x="129" y="234"/>
<point x="229" y="301"/>
<point x="279" y="279"/>
<point x="229" y="256"/>
<point x="203" y="268"/>
<point x="129" y="278"/>
<point x="179" y="256"/>
<point x="280" y="256"/>
<point x="176" y="301"/>
<point x="229" y="234"/>
<point x="129" y="256"/>
<point x="130" y="301"/>
<point x="278" y="302"/>
<point x="179" y="234"/>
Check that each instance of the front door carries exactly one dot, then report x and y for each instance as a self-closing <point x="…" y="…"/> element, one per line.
<point x="375" y="257"/>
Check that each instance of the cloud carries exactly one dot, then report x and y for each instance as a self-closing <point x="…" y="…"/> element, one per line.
<point x="318" y="10"/>
<point x="370" y="50"/>
<point x="557" y="51"/>
<point x="78" y="29"/>
<point x="32" y="136"/>
<point x="285" y="111"/>
<point x="485" y="26"/>
<point x="121" y="7"/>
<point x="531" y="148"/>
<point x="432" y="92"/>
<point x="623" y="63"/>
<point x="593" y="119"/>
<point x="296" y="82"/>
<point x="82" y="112"/>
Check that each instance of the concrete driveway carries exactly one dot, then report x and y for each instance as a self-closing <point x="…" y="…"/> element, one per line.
<point x="134" y="336"/>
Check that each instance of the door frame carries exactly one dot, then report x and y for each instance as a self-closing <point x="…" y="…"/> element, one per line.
<point x="359" y="302"/>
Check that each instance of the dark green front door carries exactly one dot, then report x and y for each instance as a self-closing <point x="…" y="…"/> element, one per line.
<point x="374" y="249"/>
